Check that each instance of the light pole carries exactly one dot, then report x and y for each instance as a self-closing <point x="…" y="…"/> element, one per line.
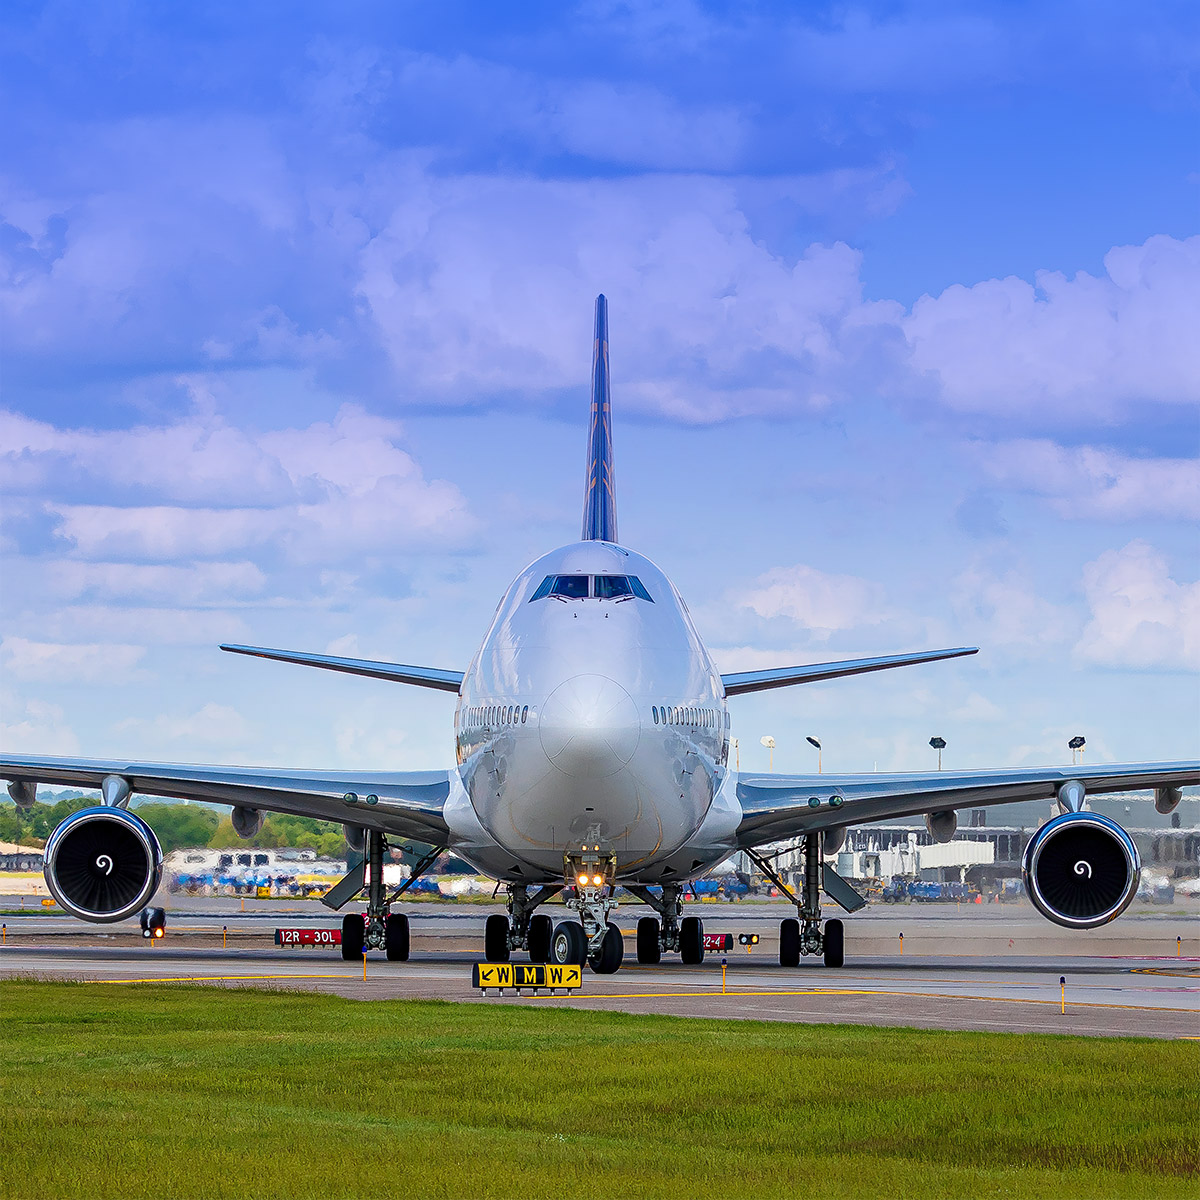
<point x="1076" y="745"/>
<point x="769" y="742"/>
<point x="812" y="741"/>
<point x="939" y="744"/>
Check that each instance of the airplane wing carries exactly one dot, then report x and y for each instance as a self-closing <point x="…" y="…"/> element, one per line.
<point x="737" y="683"/>
<point x="406" y="803"/>
<point x="777" y="807"/>
<point x="427" y="677"/>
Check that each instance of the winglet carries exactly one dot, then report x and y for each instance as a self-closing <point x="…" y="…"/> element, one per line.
<point x="599" y="501"/>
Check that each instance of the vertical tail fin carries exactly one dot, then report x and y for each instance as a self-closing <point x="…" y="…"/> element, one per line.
<point x="599" y="501"/>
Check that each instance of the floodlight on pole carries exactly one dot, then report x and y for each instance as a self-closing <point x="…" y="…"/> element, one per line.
<point x="939" y="744"/>
<point x="769" y="742"/>
<point x="812" y="741"/>
<point x="1076" y="745"/>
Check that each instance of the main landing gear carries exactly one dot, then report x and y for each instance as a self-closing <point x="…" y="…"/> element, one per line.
<point x="522" y="929"/>
<point x="670" y="931"/>
<point x="380" y="929"/>
<point x="802" y="934"/>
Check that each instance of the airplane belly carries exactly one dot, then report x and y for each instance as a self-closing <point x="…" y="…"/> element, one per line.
<point x="538" y="802"/>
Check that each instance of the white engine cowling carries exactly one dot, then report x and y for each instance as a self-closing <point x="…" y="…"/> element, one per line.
<point x="103" y="864"/>
<point x="1081" y="870"/>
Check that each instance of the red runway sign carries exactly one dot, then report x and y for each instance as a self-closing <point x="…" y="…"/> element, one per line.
<point x="308" y="937"/>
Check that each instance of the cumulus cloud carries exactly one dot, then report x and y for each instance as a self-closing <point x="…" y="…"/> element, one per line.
<point x="1006" y="610"/>
<point x="1140" y="616"/>
<point x="33" y="726"/>
<point x="57" y="662"/>
<point x="1062" y="349"/>
<point x="211" y="724"/>
<point x="1090" y="481"/>
<point x="822" y="603"/>
<point x="331" y="490"/>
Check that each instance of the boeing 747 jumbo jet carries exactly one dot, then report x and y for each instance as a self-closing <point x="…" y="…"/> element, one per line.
<point x="592" y="751"/>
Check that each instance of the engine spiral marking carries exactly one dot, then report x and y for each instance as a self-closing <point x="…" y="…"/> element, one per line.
<point x="105" y="863"/>
<point x="1083" y="867"/>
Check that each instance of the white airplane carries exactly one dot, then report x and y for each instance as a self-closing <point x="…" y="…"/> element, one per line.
<point x="592" y="750"/>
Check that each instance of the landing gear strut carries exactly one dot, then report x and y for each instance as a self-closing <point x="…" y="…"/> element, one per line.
<point x="671" y="930"/>
<point x="804" y="935"/>
<point x="591" y="875"/>
<point x="521" y="929"/>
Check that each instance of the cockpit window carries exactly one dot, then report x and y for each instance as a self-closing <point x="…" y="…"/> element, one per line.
<point x="602" y="587"/>
<point x="612" y="587"/>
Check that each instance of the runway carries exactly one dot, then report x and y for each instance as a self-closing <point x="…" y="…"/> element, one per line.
<point x="998" y="970"/>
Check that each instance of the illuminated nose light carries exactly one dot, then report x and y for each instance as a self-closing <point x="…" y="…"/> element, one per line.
<point x="583" y="881"/>
<point x="597" y="880"/>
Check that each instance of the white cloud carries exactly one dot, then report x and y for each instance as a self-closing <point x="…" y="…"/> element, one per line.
<point x="211" y="725"/>
<point x="197" y="583"/>
<point x="1141" y="617"/>
<point x="56" y="662"/>
<point x="1064" y="349"/>
<point x="34" y="727"/>
<point x="1007" y="611"/>
<point x="1087" y="481"/>
<point x="822" y="603"/>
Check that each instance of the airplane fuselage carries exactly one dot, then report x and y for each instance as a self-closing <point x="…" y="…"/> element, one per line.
<point x="591" y="711"/>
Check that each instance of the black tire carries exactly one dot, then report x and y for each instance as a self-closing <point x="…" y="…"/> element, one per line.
<point x="568" y="946"/>
<point x="541" y="930"/>
<point x="495" y="938"/>
<point x="649" y="948"/>
<point x="789" y="943"/>
<point x="612" y="952"/>
<point x="354" y="932"/>
<point x="691" y="941"/>
<point x="835" y="943"/>
<point x="395" y="938"/>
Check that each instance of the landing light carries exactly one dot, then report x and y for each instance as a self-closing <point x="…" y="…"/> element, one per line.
<point x="597" y="880"/>
<point x="583" y="881"/>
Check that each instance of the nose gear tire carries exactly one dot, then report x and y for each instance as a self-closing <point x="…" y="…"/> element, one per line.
<point x="789" y="943"/>
<point x="354" y="930"/>
<point x="568" y="946"/>
<point x="649" y="948"/>
<point x="495" y="938"/>
<point x="691" y="941"/>
<point x="541" y="930"/>
<point x="612" y="952"/>
<point x="395" y="938"/>
<point x="835" y="943"/>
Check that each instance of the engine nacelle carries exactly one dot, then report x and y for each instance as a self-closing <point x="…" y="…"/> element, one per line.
<point x="246" y="821"/>
<point x="832" y="840"/>
<point x="942" y="825"/>
<point x="1166" y="799"/>
<point x="103" y="864"/>
<point x="1081" y="870"/>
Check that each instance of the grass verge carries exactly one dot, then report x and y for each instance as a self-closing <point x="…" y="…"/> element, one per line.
<point x="192" y="1091"/>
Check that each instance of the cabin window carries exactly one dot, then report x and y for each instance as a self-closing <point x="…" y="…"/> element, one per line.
<point x="524" y="714"/>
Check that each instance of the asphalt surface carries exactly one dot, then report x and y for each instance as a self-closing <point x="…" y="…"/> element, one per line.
<point x="994" y="967"/>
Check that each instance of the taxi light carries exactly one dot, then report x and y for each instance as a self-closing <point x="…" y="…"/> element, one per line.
<point x="158" y="933"/>
<point x="597" y="880"/>
<point x="583" y="881"/>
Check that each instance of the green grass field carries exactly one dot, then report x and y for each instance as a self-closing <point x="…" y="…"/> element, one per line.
<point x="191" y="1091"/>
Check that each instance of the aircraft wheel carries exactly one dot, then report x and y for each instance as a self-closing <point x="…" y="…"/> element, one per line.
<point x="495" y="938"/>
<point x="691" y="941"/>
<point x="612" y="952"/>
<point x="789" y="943"/>
<point x="541" y="930"/>
<point x="835" y="943"/>
<point x="395" y="938"/>
<point x="649" y="948"/>
<point x="568" y="946"/>
<point x="354" y="931"/>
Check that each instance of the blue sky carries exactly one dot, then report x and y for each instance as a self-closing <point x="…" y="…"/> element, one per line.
<point x="297" y="311"/>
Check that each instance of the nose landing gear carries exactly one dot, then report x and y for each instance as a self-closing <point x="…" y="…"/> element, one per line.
<point x="591" y="874"/>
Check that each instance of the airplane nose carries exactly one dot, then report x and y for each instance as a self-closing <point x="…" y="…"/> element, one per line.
<point x="589" y="727"/>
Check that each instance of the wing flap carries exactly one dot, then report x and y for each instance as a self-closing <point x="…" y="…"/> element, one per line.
<point x="408" y="803"/>
<point x="776" y="807"/>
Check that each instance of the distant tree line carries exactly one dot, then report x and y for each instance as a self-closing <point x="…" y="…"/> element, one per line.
<point x="179" y="826"/>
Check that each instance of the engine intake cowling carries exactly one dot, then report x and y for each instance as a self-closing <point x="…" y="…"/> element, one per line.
<point x="103" y="864"/>
<point x="1081" y="870"/>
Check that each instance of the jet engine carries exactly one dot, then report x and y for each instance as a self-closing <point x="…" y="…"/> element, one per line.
<point x="1081" y="870"/>
<point x="103" y="864"/>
